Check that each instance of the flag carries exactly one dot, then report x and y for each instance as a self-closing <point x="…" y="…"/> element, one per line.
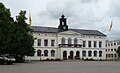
<point x="110" y="26"/>
<point x="30" y="20"/>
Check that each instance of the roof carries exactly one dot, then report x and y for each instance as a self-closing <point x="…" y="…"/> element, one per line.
<point x="55" y="30"/>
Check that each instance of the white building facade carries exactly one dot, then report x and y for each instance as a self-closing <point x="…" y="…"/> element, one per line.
<point x="111" y="48"/>
<point x="64" y="43"/>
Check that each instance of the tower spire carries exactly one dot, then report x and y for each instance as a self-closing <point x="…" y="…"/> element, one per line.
<point x="63" y="24"/>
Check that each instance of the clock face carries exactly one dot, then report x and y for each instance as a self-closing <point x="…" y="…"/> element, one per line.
<point x="64" y="27"/>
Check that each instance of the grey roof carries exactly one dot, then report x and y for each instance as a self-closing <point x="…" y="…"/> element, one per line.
<point x="55" y="30"/>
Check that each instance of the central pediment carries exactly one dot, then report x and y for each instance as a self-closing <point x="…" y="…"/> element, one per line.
<point x="69" y="33"/>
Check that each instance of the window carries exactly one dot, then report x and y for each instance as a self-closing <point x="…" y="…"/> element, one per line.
<point x="114" y="44"/>
<point x="52" y="42"/>
<point x="100" y="44"/>
<point x="84" y="53"/>
<point x="75" y="41"/>
<point x="45" y="42"/>
<point x="69" y="42"/>
<point x="111" y="49"/>
<point x="39" y="42"/>
<point x="115" y="55"/>
<point x="38" y="52"/>
<point x="89" y="53"/>
<point x="95" y="43"/>
<point x="63" y="41"/>
<point x="106" y="45"/>
<point x="115" y="49"/>
<point x="45" y="52"/>
<point x="89" y="43"/>
<point x="84" y="43"/>
<point x="100" y="53"/>
<point x="106" y="49"/>
<point x="52" y="53"/>
<point x="95" y="53"/>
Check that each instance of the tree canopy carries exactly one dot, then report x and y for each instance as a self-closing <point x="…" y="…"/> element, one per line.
<point x="118" y="51"/>
<point x="15" y="35"/>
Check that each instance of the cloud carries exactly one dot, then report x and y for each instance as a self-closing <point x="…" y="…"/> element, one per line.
<point x="84" y="14"/>
<point x="114" y="10"/>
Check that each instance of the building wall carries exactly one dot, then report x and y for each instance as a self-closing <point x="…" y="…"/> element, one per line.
<point x="111" y="47"/>
<point x="59" y="50"/>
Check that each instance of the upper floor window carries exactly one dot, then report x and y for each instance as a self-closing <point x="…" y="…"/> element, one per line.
<point x="100" y="44"/>
<point x="114" y="44"/>
<point x="45" y="42"/>
<point x="39" y="42"/>
<point x="95" y="44"/>
<point x="89" y="43"/>
<point x="69" y="40"/>
<point x="106" y="45"/>
<point x="84" y="43"/>
<point x="52" y="42"/>
<point x="75" y="41"/>
<point x="63" y="41"/>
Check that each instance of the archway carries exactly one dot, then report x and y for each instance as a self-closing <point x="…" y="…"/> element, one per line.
<point x="64" y="55"/>
<point x="77" y="55"/>
<point x="71" y="55"/>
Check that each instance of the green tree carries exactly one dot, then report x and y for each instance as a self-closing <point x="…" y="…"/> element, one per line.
<point x="15" y="36"/>
<point x="23" y="37"/>
<point x="118" y="51"/>
<point x="6" y="22"/>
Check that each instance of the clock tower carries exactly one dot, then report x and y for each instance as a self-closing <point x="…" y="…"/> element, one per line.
<point x="63" y="24"/>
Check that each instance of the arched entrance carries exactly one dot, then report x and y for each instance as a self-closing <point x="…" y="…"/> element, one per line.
<point x="77" y="55"/>
<point x="64" y="55"/>
<point x="71" y="55"/>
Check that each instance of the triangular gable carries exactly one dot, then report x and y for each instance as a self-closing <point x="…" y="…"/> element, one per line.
<point x="69" y="33"/>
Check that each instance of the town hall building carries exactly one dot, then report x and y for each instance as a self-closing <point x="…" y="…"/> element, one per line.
<point x="65" y="43"/>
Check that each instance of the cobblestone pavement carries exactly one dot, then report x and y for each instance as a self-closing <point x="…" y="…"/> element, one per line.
<point x="63" y="67"/>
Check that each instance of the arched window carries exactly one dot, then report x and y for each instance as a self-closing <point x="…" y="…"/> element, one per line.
<point x="52" y="53"/>
<point x="100" y="53"/>
<point x="89" y="53"/>
<point x="95" y="53"/>
<point x="63" y="41"/>
<point x="69" y="40"/>
<point x="38" y="52"/>
<point x="75" y="41"/>
<point x="45" y="52"/>
<point x="84" y="53"/>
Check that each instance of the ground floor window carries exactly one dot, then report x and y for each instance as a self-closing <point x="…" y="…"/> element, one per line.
<point x="100" y="53"/>
<point x="89" y="53"/>
<point x="95" y="53"/>
<point x="45" y="52"/>
<point x="38" y="52"/>
<point x="52" y="53"/>
<point x="84" y="53"/>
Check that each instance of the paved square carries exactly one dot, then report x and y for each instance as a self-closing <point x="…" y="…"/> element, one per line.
<point x="63" y="67"/>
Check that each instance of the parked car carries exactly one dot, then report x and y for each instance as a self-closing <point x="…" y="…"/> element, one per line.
<point x="6" y="59"/>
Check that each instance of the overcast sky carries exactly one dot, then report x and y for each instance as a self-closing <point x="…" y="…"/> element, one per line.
<point x="80" y="14"/>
